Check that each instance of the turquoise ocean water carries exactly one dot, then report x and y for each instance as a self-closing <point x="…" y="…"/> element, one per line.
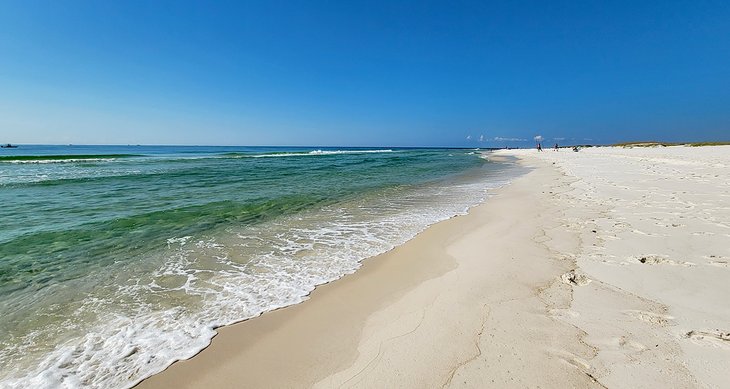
<point x="116" y="261"/>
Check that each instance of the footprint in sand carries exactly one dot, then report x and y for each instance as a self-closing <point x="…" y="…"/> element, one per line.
<point x="574" y="360"/>
<point x="575" y="279"/>
<point x="714" y="260"/>
<point x="631" y="345"/>
<point x="716" y="337"/>
<point x="651" y="259"/>
<point x="650" y="317"/>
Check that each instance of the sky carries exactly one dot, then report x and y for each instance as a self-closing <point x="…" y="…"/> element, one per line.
<point x="370" y="73"/>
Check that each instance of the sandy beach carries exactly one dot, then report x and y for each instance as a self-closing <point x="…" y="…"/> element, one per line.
<point x="602" y="268"/>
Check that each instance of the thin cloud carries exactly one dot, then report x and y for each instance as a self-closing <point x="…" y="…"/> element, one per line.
<point x="538" y="138"/>
<point x="468" y="137"/>
<point x="503" y="139"/>
<point x="481" y="138"/>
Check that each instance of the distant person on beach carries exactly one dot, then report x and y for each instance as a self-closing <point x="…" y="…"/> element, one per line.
<point x="539" y="147"/>
<point x="556" y="147"/>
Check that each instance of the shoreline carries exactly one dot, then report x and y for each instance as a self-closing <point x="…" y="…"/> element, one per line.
<point x="325" y="340"/>
<point x="163" y="296"/>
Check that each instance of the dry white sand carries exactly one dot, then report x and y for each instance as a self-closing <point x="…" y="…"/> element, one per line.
<point x="607" y="267"/>
<point x="654" y="225"/>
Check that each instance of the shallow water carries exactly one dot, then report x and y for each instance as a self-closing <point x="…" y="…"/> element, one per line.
<point x="117" y="260"/>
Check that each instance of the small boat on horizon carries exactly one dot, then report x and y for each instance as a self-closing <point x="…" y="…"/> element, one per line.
<point x="8" y="146"/>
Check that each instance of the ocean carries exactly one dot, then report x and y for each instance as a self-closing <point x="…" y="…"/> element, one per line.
<point x="115" y="261"/>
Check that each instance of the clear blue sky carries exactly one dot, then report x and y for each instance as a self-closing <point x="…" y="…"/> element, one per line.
<point x="367" y="73"/>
